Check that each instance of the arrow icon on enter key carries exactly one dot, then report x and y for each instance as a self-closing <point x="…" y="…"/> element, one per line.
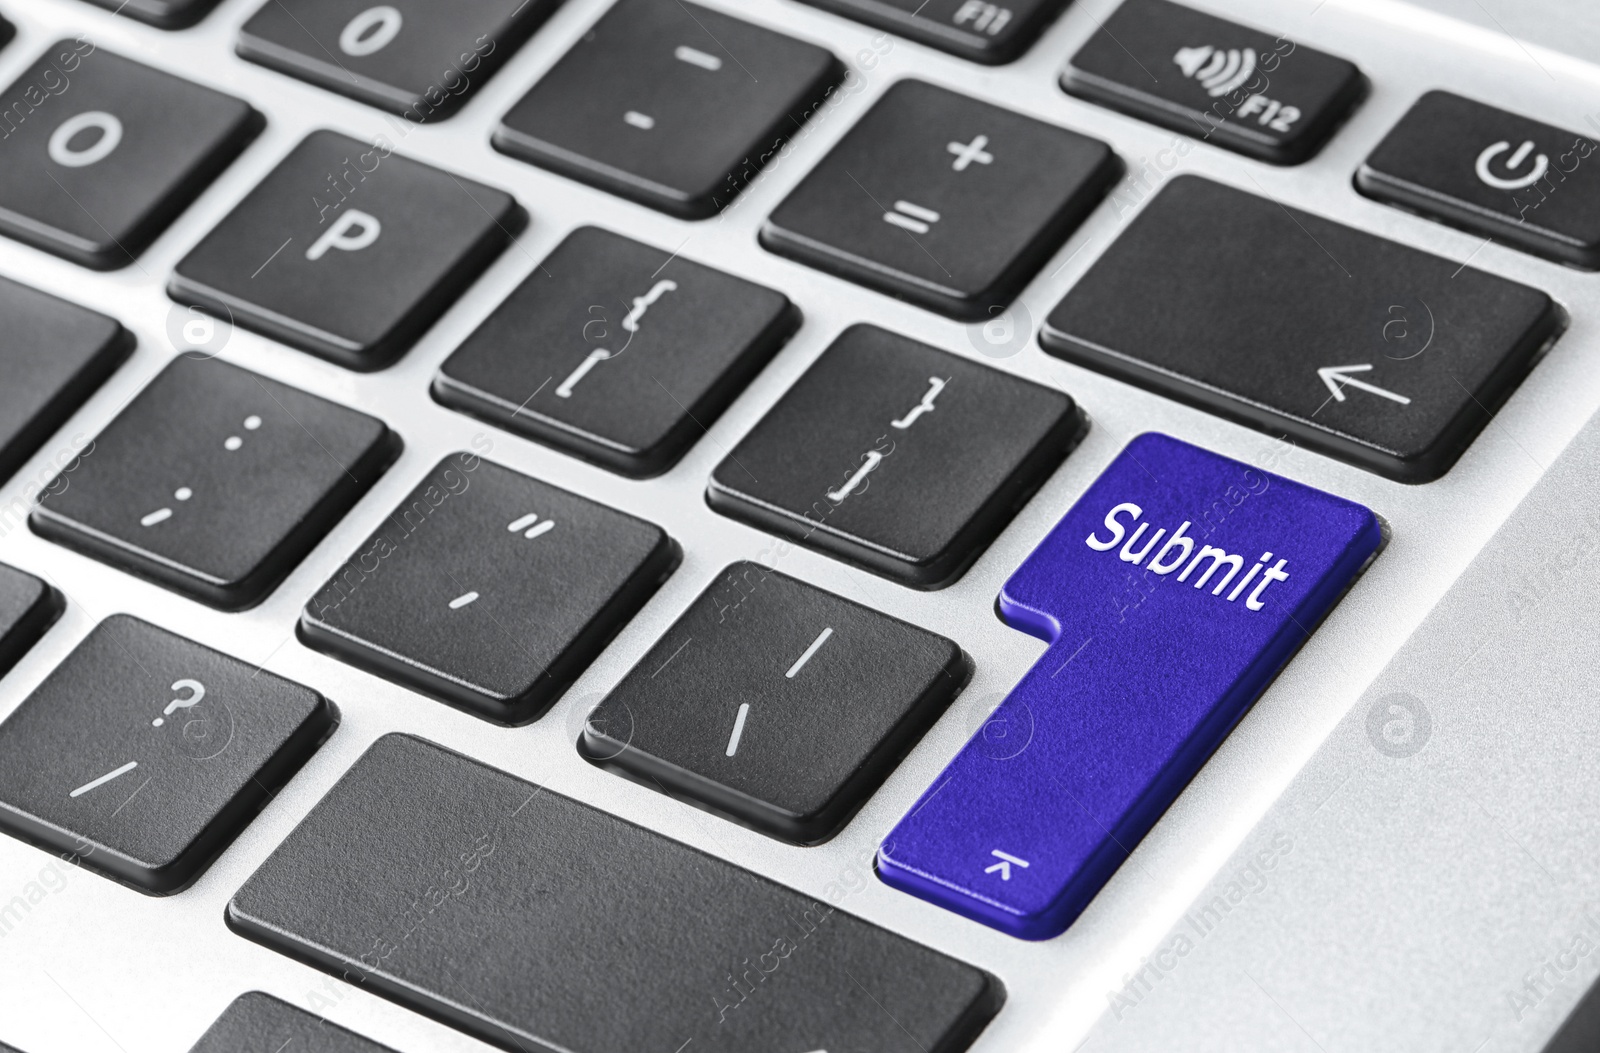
<point x="1338" y="378"/>
<point x="1004" y="866"/>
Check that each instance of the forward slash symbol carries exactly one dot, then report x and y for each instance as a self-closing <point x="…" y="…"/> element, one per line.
<point x="1004" y="866"/>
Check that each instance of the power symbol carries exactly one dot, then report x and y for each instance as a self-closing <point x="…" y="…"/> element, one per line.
<point x="1541" y="164"/>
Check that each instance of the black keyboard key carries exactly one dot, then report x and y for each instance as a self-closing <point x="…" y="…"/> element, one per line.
<point x="348" y="250"/>
<point x="7" y="31"/>
<point x="669" y="103"/>
<point x="1494" y="173"/>
<point x="502" y="908"/>
<point x="215" y="482"/>
<point x="260" y="1023"/>
<point x="776" y="704"/>
<point x="1264" y="96"/>
<point x="27" y="608"/>
<point x="164" y="14"/>
<point x="54" y="356"/>
<point x="421" y="59"/>
<point x="942" y="200"/>
<point x="144" y="754"/>
<point x="489" y="590"/>
<point x="102" y="153"/>
<point x="665" y="345"/>
<point x="896" y="456"/>
<point x="1361" y="348"/>
<point x="976" y="29"/>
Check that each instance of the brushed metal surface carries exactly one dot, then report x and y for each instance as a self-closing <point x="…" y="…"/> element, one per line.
<point x="1430" y="880"/>
<point x="93" y="967"/>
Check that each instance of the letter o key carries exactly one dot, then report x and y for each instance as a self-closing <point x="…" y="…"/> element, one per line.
<point x="61" y="150"/>
<point x="371" y="31"/>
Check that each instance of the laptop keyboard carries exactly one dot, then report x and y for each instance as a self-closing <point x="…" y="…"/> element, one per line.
<point x="465" y="372"/>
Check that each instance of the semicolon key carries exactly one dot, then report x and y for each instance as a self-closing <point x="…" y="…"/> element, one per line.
<point x="1171" y="594"/>
<point x="215" y="481"/>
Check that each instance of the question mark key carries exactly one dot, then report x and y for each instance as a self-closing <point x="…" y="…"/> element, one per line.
<point x="144" y="753"/>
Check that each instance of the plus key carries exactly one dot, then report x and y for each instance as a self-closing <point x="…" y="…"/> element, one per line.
<point x="1171" y="594"/>
<point x="942" y="200"/>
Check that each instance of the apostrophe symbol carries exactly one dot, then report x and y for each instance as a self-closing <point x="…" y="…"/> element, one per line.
<point x="1225" y="71"/>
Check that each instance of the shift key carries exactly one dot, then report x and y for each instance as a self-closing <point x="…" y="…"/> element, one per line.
<point x="1171" y="594"/>
<point x="534" y="922"/>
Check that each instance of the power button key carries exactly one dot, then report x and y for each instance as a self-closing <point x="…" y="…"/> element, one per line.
<point x="1518" y="181"/>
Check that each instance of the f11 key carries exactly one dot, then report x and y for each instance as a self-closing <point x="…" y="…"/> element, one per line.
<point x="1494" y="173"/>
<point x="1171" y="594"/>
<point x="1362" y="348"/>
<point x="985" y="32"/>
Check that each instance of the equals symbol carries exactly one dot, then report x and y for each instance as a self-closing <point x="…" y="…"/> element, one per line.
<point x="911" y="217"/>
<point x="531" y="526"/>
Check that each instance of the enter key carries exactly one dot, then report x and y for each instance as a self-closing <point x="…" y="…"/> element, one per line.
<point x="1171" y="594"/>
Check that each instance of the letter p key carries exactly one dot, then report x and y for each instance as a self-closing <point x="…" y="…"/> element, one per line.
<point x="353" y="231"/>
<point x="1128" y="702"/>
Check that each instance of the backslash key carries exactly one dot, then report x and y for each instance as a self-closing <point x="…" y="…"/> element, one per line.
<point x="1171" y="594"/>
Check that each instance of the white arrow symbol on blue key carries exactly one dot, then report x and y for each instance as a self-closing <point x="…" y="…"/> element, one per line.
<point x="1004" y="866"/>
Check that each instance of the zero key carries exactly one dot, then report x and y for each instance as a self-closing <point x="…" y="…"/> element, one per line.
<point x="1494" y="173"/>
<point x="1170" y="594"/>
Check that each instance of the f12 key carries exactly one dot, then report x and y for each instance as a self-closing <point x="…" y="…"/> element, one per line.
<point x="1494" y="173"/>
<point x="1237" y="87"/>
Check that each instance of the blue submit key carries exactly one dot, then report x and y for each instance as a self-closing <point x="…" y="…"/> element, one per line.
<point x="1170" y="594"/>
